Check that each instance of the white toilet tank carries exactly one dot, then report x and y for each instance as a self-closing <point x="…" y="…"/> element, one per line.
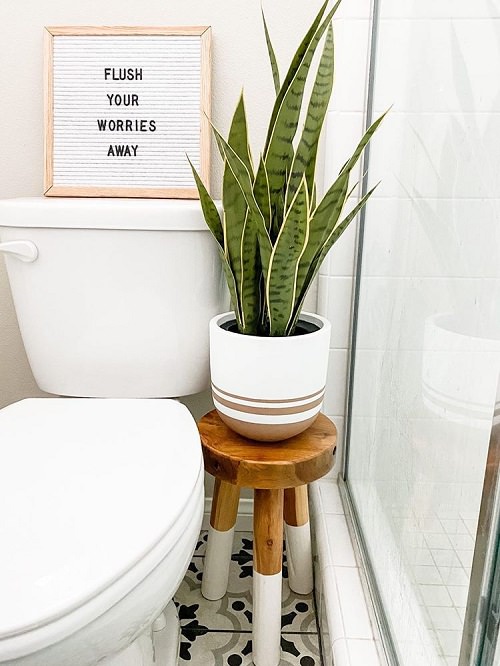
<point x="113" y="296"/>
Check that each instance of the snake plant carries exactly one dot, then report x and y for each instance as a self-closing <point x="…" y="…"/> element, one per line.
<point x="273" y="235"/>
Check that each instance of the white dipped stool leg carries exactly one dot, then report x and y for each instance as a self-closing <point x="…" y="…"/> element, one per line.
<point x="266" y="625"/>
<point x="298" y="540"/>
<point x="220" y="540"/>
<point x="267" y="558"/>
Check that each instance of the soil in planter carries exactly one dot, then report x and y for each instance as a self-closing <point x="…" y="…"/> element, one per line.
<point x="302" y="328"/>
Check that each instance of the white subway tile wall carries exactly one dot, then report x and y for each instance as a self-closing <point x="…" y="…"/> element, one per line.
<point x="344" y="128"/>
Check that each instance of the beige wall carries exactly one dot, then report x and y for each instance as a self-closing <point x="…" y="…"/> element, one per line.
<point x="239" y="60"/>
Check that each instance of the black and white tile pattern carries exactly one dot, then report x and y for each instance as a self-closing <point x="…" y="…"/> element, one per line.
<point x="218" y="633"/>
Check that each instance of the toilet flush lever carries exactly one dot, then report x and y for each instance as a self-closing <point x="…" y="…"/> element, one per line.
<point x="22" y="249"/>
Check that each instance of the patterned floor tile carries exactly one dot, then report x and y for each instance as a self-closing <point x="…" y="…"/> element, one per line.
<point x="201" y="546"/>
<point x="218" y="633"/>
<point x="234" y="611"/>
<point x="235" y="649"/>
<point x="242" y="548"/>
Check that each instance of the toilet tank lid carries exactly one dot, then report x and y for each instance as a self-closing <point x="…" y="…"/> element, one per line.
<point x="87" y="488"/>
<point x="73" y="213"/>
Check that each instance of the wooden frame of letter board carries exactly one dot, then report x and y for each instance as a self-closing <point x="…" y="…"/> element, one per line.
<point x="52" y="190"/>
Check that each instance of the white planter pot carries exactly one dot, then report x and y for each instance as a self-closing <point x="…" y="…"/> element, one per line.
<point x="268" y="388"/>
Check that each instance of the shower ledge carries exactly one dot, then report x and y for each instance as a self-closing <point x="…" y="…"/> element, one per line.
<point x="344" y="611"/>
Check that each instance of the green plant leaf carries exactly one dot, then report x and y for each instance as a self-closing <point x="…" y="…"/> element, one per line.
<point x="249" y="285"/>
<point x="351" y="163"/>
<point x="264" y="314"/>
<point x="323" y="221"/>
<point x="279" y="153"/>
<point x="238" y="134"/>
<point x="325" y="217"/>
<point x="281" y="286"/>
<point x="338" y="230"/>
<point x="272" y="57"/>
<point x="294" y="65"/>
<point x="313" y="196"/>
<point x="244" y="180"/>
<point x="231" y="283"/>
<point x="327" y="213"/>
<point x="240" y="238"/>
<point x="305" y="155"/>
<point x="323" y="251"/>
<point x="212" y="219"/>
<point x="261" y="193"/>
<point x="210" y="212"/>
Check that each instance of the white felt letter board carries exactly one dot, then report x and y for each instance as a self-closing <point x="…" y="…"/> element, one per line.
<point x="123" y="108"/>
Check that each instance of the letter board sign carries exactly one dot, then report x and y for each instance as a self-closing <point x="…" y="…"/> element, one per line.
<point x="123" y="108"/>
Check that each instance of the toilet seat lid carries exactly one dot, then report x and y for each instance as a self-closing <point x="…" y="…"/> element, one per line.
<point x="88" y="487"/>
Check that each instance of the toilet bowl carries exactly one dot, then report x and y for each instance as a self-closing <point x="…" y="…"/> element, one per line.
<point x="103" y="503"/>
<point x="102" y="490"/>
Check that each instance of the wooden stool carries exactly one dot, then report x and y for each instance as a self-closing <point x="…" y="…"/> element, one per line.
<point x="279" y="473"/>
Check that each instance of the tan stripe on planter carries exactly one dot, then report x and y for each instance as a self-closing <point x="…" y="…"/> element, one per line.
<point x="267" y="432"/>
<point x="269" y="411"/>
<point x="240" y="397"/>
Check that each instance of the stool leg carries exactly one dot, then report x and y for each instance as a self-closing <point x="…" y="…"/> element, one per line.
<point x="298" y="540"/>
<point x="220" y="540"/>
<point x="268" y="556"/>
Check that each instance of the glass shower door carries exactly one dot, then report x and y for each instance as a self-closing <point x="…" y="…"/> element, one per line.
<point x="426" y="345"/>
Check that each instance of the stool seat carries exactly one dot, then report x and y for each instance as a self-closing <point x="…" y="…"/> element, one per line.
<point x="279" y="473"/>
<point x="250" y="464"/>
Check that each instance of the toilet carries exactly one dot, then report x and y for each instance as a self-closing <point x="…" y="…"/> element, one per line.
<point x="101" y="487"/>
